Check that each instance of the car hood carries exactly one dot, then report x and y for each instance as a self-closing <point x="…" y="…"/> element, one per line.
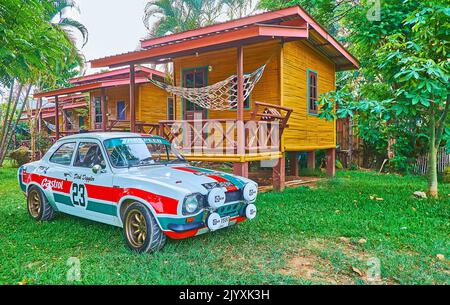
<point x="185" y="178"/>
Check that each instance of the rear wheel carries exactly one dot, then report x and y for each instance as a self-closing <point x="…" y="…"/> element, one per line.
<point x="141" y="231"/>
<point x="38" y="206"/>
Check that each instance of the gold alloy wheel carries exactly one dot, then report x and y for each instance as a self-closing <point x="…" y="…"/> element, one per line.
<point x="136" y="227"/>
<point x="34" y="203"/>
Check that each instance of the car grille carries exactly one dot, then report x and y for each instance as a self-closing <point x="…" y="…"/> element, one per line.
<point x="233" y="196"/>
<point x="229" y="210"/>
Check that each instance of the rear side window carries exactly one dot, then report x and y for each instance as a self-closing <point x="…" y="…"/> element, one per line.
<point x="63" y="155"/>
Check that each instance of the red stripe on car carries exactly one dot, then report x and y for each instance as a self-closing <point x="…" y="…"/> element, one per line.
<point x="230" y="188"/>
<point x="161" y="204"/>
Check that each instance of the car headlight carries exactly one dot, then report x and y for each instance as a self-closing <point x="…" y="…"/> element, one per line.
<point x="250" y="191"/>
<point x="192" y="203"/>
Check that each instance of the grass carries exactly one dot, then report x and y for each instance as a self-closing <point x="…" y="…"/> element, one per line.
<point x="302" y="236"/>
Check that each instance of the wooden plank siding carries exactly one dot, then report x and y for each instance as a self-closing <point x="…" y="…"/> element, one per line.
<point x="152" y="104"/>
<point x="284" y="83"/>
<point x="223" y="64"/>
<point x="306" y="131"/>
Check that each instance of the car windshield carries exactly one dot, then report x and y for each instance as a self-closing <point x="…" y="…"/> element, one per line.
<point x="133" y="152"/>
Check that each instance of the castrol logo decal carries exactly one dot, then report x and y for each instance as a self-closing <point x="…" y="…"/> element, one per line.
<point x="52" y="184"/>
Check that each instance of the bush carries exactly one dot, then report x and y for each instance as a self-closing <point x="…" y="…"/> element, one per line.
<point x="447" y="174"/>
<point x="21" y="155"/>
<point x="43" y="142"/>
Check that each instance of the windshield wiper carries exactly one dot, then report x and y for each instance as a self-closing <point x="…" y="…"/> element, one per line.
<point x="175" y="161"/>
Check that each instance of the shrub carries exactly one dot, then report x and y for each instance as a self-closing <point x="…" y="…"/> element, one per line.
<point x="21" y="155"/>
<point x="43" y="142"/>
<point x="447" y="174"/>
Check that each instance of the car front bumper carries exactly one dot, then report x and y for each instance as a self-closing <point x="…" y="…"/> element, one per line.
<point x="181" y="228"/>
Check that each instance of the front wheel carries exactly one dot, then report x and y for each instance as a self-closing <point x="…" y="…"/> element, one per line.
<point x="38" y="206"/>
<point x="141" y="231"/>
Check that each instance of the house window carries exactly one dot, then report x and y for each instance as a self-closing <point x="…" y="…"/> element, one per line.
<point x="170" y="109"/>
<point x="312" y="92"/>
<point x="81" y="121"/>
<point x="98" y="110"/>
<point x="121" y="111"/>
<point x="233" y="96"/>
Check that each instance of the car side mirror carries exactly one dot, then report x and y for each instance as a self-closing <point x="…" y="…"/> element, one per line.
<point x="97" y="168"/>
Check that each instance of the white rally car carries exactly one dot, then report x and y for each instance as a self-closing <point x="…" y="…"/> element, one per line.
<point x="137" y="182"/>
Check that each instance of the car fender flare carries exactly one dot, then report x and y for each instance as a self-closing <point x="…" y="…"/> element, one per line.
<point x="51" y="200"/>
<point x="140" y="200"/>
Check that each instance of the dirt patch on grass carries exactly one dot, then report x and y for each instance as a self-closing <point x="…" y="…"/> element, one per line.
<point x="339" y="262"/>
<point x="301" y="266"/>
<point x="316" y="269"/>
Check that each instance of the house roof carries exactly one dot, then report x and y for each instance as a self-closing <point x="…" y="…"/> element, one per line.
<point x="116" y="74"/>
<point x="288" y="24"/>
<point x="66" y="103"/>
<point x="113" y="78"/>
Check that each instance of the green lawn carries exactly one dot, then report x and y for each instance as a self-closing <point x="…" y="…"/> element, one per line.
<point x="301" y="236"/>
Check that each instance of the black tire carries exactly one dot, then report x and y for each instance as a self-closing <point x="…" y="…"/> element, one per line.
<point x="45" y="212"/>
<point x="154" y="239"/>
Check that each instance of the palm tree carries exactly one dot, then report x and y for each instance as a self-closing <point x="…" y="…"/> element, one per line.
<point x="180" y="15"/>
<point x="59" y="18"/>
<point x="239" y="8"/>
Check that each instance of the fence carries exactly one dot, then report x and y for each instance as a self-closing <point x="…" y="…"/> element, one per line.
<point x="421" y="165"/>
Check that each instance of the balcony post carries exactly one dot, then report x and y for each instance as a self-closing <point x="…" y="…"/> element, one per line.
<point x="104" y="110"/>
<point x="240" y="168"/>
<point x="57" y="118"/>
<point x="39" y="109"/>
<point x="132" y="99"/>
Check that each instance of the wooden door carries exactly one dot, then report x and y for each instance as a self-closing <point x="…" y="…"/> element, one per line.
<point x="194" y="78"/>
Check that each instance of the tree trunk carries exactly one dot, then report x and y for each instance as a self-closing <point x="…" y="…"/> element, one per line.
<point x="432" y="160"/>
<point x="14" y="121"/>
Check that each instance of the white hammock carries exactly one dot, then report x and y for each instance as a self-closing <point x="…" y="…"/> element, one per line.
<point x="220" y="96"/>
<point x="51" y="127"/>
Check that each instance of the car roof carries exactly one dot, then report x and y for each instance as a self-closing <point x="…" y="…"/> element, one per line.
<point x="105" y="136"/>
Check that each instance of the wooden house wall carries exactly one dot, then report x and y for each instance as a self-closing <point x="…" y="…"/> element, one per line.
<point x="306" y="131"/>
<point x="223" y="64"/>
<point x="152" y="105"/>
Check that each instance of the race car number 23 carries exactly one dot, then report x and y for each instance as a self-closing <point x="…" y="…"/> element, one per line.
<point x="78" y="194"/>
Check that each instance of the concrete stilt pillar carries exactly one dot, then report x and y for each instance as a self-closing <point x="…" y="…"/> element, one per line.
<point x="331" y="162"/>
<point x="240" y="169"/>
<point x="279" y="175"/>
<point x="293" y="163"/>
<point x="311" y="160"/>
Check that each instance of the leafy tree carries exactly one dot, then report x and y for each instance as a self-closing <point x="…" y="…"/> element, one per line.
<point x="327" y="12"/>
<point x="411" y="63"/>
<point x="35" y="50"/>
<point x="419" y="67"/>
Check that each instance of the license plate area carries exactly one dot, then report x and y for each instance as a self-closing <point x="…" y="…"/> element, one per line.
<point x="224" y="222"/>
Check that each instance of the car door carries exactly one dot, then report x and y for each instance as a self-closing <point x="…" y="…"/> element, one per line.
<point x="92" y="192"/>
<point x="55" y="175"/>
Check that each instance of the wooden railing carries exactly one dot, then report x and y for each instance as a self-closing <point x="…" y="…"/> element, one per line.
<point x="219" y="136"/>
